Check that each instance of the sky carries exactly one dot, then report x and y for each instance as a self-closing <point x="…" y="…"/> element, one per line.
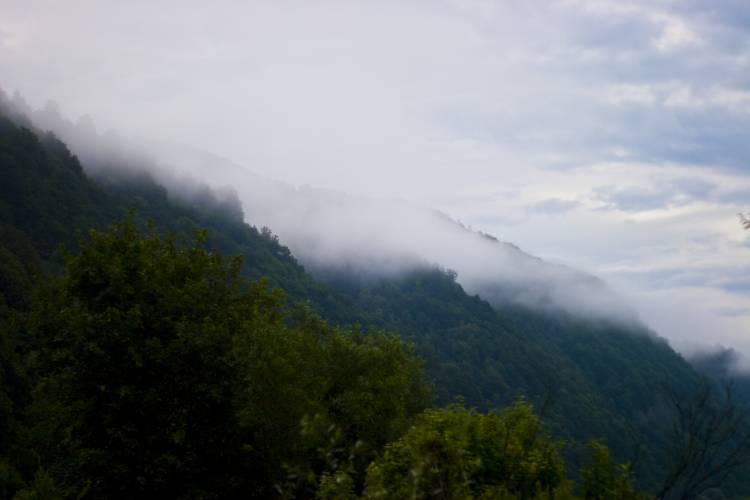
<point x="608" y="135"/>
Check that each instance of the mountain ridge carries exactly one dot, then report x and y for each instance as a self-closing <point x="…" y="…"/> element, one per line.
<point x="601" y="377"/>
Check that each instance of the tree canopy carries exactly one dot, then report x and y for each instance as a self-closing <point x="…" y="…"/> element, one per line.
<point x="158" y="370"/>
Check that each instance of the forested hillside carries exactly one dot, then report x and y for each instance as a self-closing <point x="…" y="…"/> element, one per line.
<point x="264" y="396"/>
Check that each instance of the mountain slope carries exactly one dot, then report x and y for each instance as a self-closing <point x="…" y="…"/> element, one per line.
<point x="593" y="378"/>
<point x="330" y="231"/>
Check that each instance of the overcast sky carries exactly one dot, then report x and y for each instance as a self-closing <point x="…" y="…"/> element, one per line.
<point x="609" y="135"/>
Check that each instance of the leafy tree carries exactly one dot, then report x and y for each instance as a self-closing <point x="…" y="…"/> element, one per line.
<point x="14" y="396"/>
<point x="162" y="373"/>
<point x="42" y="487"/>
<point x="603" y="479"/>
<point x="137" y="379"/>
<point x="456" y="453"/>
<point x="328" y="399"/>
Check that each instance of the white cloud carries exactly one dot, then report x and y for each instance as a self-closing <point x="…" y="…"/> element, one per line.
<point x="733" y="99"/>
<point x="675" y="33"/>
<point x="632" y="93"/>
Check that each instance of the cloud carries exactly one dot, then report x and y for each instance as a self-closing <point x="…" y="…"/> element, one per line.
<point x="660" y="194"/>
<point x="497" y="113"/>
<point x="634" y="198"/>
<point x="553" y="206"/>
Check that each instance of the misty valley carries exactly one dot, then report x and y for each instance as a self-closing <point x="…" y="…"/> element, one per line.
<point x="167" y="335"/>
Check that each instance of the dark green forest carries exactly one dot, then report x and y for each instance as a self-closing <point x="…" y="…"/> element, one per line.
<point x="159" y="346"/>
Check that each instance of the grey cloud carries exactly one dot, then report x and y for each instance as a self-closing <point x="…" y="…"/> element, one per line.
<point x="741" y="197"/>
<point x="554" y="206"/>
<point x="709" y="136"/>
<point x="658" y="195"/>
<point x="546" y="101"/>
<point x="727" y="14"/>
<point x="731" y="312"/>
<point x="634" y="199"/>
<point x="712" y="133"/>
<point x="694" y="187"/>
<point x="712" y="276"/>
<point x="738" y="285"/>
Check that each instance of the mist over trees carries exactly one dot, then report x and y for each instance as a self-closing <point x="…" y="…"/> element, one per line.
<point x="332" y="232"/>
<point x="155" y="371"/>
<point x="142" y="361"/>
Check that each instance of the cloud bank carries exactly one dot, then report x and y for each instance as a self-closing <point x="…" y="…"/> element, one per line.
<point x="604" y="134"/>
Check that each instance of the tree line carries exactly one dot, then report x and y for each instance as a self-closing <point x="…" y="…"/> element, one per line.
<point x="151" y="368"/>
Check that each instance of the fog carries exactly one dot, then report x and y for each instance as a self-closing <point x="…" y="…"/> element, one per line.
<point x="610" y="137"/>
<point x="331" y="232"/>
<point x="370" y="237"/>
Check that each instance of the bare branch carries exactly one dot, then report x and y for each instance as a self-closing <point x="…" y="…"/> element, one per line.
<point x="709" y="439"/>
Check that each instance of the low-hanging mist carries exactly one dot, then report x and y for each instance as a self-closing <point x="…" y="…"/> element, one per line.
<point x="330" y="231"/>
<point x="334" y="233"/>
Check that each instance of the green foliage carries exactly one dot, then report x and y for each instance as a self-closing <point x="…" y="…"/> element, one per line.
<point x="603" y="479"/>
<point x="44" y="190"/>
<point x="41" y="488"/>
<point x="589" y="378"/>
<point x="457" y="453"/>
<point x="134" y="345"/>
<point x="330" y="400"/>
<point x="10" y="479"/>
<point x="159" y="372"/>
<point x="336" y="486"/>
<point x="154" y="367"/>
<point x="14" y="397"/>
